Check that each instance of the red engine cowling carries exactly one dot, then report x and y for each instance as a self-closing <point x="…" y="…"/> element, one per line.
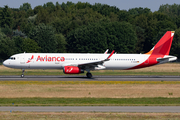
<point x="72" y="70"/>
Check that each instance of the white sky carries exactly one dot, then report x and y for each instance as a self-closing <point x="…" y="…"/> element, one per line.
<point x="121" y="4"/>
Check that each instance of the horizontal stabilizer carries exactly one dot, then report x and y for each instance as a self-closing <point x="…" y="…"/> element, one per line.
<point x="166" y="59"/>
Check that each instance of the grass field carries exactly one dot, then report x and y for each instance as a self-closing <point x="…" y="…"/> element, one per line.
<point x="90" y="89"/>
<point x="87" y="116"/>
<point x="89" y="93"/>
<point x="163" y="69"/>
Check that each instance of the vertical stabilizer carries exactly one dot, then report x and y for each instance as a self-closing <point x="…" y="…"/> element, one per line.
<point x="164" y="45"/>
<point x="161" y="49"/>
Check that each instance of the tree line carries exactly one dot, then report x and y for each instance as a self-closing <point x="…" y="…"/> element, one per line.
<point x="85" y="28"/>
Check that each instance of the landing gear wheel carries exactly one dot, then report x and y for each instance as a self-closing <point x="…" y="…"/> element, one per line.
<point x="89" y="75"/>
<point x="22" y="75"/>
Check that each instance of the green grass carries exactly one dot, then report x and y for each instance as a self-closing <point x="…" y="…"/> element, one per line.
<point x="89" y="101"/>
<point x="137" y="73"/>
<point x="16" y="115"/>
<point x="31" y="73"/>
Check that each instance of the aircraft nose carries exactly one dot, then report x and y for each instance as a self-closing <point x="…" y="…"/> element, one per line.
<point x="5" y="63"/>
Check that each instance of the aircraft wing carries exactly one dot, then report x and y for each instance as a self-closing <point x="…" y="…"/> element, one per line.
<point x="96" y="64"/>
<point x="91" y="65"/>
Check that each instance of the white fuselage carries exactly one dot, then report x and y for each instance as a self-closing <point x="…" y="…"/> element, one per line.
<point x="59" y="60"/>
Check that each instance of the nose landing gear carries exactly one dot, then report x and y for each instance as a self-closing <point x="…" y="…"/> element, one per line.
<point x="22" y="75"/>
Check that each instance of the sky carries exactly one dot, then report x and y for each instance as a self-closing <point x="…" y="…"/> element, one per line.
<point x="121" y="4"/>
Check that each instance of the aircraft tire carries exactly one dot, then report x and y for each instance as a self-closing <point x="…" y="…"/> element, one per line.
<point x="89" y="75"/>
<point x="22" y="75"/>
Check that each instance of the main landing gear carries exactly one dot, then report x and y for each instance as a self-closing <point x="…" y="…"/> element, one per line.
<point x="89" y="75"/>
<point x="22" y="75"/>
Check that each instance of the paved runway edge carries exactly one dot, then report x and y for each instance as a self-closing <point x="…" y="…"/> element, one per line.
<point x="83" y="78"/>
<point x="138" y="109"/>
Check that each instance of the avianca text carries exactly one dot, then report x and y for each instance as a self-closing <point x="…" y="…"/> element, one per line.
<point x="50" y="59"/>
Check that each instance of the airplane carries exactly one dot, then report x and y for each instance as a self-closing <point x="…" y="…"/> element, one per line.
<point x="76" y="63"/>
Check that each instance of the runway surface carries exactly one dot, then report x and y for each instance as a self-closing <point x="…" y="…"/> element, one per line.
<point x="95" y="78"/>
<point x="144" y="109"/>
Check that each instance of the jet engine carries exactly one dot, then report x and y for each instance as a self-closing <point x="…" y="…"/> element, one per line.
<point x="72" y="70"/>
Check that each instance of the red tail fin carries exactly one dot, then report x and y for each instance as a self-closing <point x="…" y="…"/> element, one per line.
<point x="164" y="45"/>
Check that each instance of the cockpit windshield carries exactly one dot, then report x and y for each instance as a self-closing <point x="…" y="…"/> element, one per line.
<point x="12" y="58"/>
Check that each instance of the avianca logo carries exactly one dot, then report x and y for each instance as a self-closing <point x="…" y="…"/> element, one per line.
<point x="69" y="70"/>
<point x="30" y="59"/>
<point x="50" y="59"/>
<point x="46" y="58"/>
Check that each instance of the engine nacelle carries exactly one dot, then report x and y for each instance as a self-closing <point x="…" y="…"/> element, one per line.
<point x="72" y="70"/>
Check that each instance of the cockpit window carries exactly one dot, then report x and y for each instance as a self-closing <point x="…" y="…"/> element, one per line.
<point x="12" y="58"/>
